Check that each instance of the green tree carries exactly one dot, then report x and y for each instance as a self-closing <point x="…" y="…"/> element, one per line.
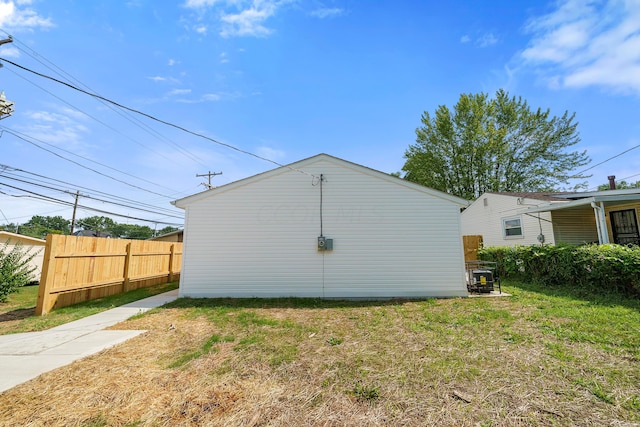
<point x="11" y="227"/>
<point x="621" y="185"/>
<point x="166" y="230"/>
<point x="97" y="223"/>
<point x="139" y="232"/>
<point x="39" y="226"/>
<point x="15" y="268"/>
<point x="493" y="145"/>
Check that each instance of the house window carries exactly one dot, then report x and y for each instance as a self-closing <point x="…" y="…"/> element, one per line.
<point x="512" y="227"/>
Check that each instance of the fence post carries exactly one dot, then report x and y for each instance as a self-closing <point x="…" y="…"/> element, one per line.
<point x="45" y="300"/>
<point x="127" y="266"/>
<point x="171" y="258"/>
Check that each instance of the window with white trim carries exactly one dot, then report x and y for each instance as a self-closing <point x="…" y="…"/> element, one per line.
<point x="512" y="227"/>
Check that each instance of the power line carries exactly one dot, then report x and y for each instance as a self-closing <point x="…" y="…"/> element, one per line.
<point x="71" y="185"/>
<point x="63" y="202"/>
<point x="610" y="158"/>
<point x="91" y="116"/>
<point x="631" y="176"/>
<point x="153" y="117"/>
<point x="126" y="115"/>
<point x="24" y="138"/>
<point x="88" y="197"/>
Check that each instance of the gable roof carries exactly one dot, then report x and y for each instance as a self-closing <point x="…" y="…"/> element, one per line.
<point x="299" y="167"/>
<point x="6" y="235"/>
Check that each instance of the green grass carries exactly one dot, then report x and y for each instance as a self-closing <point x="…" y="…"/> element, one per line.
<point x="17" y="314"/>
<point x="544" y="356"/>
<point x="477" y="341"/>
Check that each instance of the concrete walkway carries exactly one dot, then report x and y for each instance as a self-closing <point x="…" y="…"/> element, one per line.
<point x="27" y="355"/>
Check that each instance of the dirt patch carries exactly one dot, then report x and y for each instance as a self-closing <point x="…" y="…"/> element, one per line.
<point x="19" y="314"/>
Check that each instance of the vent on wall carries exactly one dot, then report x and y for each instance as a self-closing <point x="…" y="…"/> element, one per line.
<point x="485" y="202"/>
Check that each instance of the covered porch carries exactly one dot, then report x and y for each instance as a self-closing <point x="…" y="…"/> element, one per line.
<point x="597" y="217"/>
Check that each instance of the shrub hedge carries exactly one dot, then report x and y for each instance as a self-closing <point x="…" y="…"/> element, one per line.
<point x="591" y="268"/>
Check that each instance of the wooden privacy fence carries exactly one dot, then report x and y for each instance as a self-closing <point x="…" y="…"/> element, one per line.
<point x="471" y="246"/>
<point x="77" y="269"/>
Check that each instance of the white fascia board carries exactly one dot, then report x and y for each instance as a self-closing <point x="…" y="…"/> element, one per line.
<point x="4" y="235"/>
<point x="301" y="164"/>
<point x="605" y="193"/>
<point x="558" y="206"/>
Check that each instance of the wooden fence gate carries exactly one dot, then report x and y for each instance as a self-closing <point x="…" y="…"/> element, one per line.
<point x="471" y="246"/>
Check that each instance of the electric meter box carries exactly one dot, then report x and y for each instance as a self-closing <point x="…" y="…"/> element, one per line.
<point x="325" y="244"/>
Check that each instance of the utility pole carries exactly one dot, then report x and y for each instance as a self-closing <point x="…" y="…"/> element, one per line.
<point x="6" y="107"/>
<point x="209" y="175"/>
<point x="75" y="206"/>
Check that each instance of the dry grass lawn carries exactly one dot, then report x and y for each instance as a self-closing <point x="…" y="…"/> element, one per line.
<point x="539" y="357"/>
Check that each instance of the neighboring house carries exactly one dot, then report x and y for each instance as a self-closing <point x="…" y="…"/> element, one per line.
<point x="174" y="236"/>
<point x="33" y="245"/>
<point x="322" y="227"/>
<point x="92" y="233"/>
<point x="509" y="219"/>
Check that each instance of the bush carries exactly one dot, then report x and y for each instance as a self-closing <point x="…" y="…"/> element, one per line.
<point x="15" y="270"/>
<point x="591" y="268"/>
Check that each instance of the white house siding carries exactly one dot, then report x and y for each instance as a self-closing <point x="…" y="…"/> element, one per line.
<point x="485" y="219"/>
<point x="575" y="226"/>
<point x="258" y="237"/>
<point x="30" y="244"/>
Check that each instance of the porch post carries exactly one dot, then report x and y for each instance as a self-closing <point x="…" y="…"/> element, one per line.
<point x="603" y="225"/>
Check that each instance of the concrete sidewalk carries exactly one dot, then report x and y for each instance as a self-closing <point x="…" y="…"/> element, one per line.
<point x="27" y="355"/>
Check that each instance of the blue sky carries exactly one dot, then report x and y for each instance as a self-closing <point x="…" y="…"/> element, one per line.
<point x="286" y="79"/>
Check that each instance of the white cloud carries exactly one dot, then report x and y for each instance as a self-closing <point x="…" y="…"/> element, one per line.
<point x="486" y="40"/>
<point x="211" y="97"/>
<point x="9" y="51"/>
<point x="195" y="4"/>
<point x="244" y="18"/>
<point x="249" y="22"/>
<point x="585" y="44"/>
<point x="15" y="17"/>
<point x="160" y="79"/>
<point x="271" y="153"/>
<point x="176" y="92"/>
<point x="63" y="130"/>
<point x="172" y="62"/>
<point x="327" y="12"/>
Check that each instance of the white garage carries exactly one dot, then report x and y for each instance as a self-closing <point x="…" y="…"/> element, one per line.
<point x="322" y="227"/>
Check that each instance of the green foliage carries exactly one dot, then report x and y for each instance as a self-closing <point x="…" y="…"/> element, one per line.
<point x="166" y="230"/>
<point x="11" y="227"/>
<point x="334" y="341"/>
<point x="365" y="392"/>
<point x="493" y="145"/>
<point x="122" y="231"/>
<point x="591" y="268"/>
<point x="98" y="223"/>
<point x="15" y="270"/>
<point x="39" y="226"/>
<point x="620" y="185"/>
